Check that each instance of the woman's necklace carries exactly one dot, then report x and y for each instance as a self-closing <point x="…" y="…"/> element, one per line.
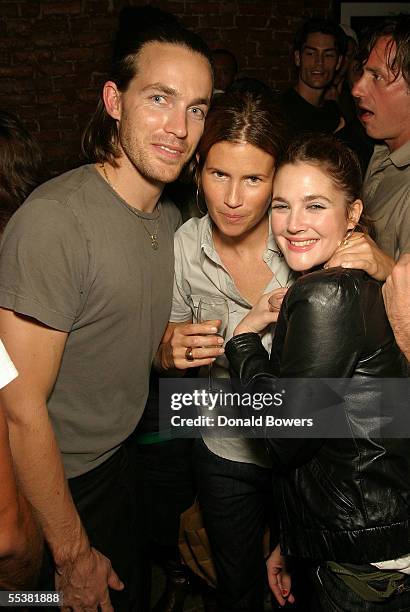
<point x="154" y="235"/>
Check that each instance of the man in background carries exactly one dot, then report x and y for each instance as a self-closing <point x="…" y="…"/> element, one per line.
<point x="319" y="48"/>
<point x="225" y="69"/>
<point x="383" y="97"/>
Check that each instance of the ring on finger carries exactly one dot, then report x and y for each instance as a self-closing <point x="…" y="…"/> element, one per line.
<point x="188" y="354"/>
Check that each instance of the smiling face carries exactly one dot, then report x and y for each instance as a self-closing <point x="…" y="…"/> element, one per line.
<point x="161" y="114"/>
<point x="309" y="215"/>
<point x="383" y="101"/>
<point x="318" y="61"/>
<point x="237" y="184"/>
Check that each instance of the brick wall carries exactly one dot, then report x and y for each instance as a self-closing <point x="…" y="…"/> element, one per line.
<point x="54" y="53"/>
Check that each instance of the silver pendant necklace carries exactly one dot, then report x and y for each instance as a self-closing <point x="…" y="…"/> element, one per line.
<point x="154" y="235"/>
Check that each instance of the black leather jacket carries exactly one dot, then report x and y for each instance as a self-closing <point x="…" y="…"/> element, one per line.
<point x="346" y="500"/>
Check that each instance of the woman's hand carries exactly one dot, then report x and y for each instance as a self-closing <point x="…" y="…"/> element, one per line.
<point x="280" y="581"/>
<point x="189" y="345"/>
<point x="265" y="312"/>
<point x="361" y="252"/>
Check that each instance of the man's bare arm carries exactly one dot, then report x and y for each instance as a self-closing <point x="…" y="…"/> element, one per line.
<point x="20" y="538"/>
<point x="83" y="574"/>
<point x="396" y="293"/>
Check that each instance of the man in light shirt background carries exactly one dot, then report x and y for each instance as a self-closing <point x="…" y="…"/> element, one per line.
<point x="383" y="99"/>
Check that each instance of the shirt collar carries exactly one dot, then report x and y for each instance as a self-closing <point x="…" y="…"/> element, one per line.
<point x="282" y="275"/>
<point x="400" y="158"/>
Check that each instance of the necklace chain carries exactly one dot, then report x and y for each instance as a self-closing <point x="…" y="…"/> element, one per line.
<point x="154" y="235"/>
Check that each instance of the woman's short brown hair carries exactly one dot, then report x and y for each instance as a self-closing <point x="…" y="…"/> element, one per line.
<point x="243" y="117"/>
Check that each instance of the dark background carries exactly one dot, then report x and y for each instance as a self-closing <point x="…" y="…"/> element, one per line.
<point x="54" y="54"/>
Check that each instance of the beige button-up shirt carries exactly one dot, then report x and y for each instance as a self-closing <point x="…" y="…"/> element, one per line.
<point x="386" y="197"/>
<point x="199" y="272"/>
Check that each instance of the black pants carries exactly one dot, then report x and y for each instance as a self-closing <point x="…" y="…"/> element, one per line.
<point x="235" y="499"/>
<point x="108" y="500"/>
<point x="168" y="487"/>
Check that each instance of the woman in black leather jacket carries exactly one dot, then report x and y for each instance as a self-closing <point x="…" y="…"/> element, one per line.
<point x="343" y="503"/>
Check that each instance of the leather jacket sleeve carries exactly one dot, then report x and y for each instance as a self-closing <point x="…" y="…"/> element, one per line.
<point x="319" y="334"/>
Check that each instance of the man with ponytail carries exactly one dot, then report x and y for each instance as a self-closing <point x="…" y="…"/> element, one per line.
<point x="86" y="271"/>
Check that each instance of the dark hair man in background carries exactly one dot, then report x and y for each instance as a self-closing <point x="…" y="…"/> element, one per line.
<point x="383" y="96"/>
<point x="225" y="69"/>
<point x="86" y="273"/>
<point x="319" y="48"/>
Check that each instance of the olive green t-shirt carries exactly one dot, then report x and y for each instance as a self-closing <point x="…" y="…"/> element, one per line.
<point x="77" y="258"/>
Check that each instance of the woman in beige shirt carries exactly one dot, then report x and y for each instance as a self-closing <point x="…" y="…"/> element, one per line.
<point x="230" y="253"/>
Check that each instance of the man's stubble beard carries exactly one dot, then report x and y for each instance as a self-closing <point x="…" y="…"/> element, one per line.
<point x="147" y="166"/>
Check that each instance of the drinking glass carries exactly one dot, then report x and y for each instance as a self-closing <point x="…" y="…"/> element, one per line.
<point x="209" y="309"/>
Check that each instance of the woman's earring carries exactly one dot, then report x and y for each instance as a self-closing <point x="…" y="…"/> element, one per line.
<point x="197" y="203"/>
<point x="348" y="235"/>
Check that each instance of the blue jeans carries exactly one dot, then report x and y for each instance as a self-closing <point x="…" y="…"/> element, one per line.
<point x="236" y="500"/>
<point x="333" y="595"/>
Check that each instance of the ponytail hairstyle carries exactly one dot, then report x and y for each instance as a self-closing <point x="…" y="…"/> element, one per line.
<point x="138" y="26"/>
